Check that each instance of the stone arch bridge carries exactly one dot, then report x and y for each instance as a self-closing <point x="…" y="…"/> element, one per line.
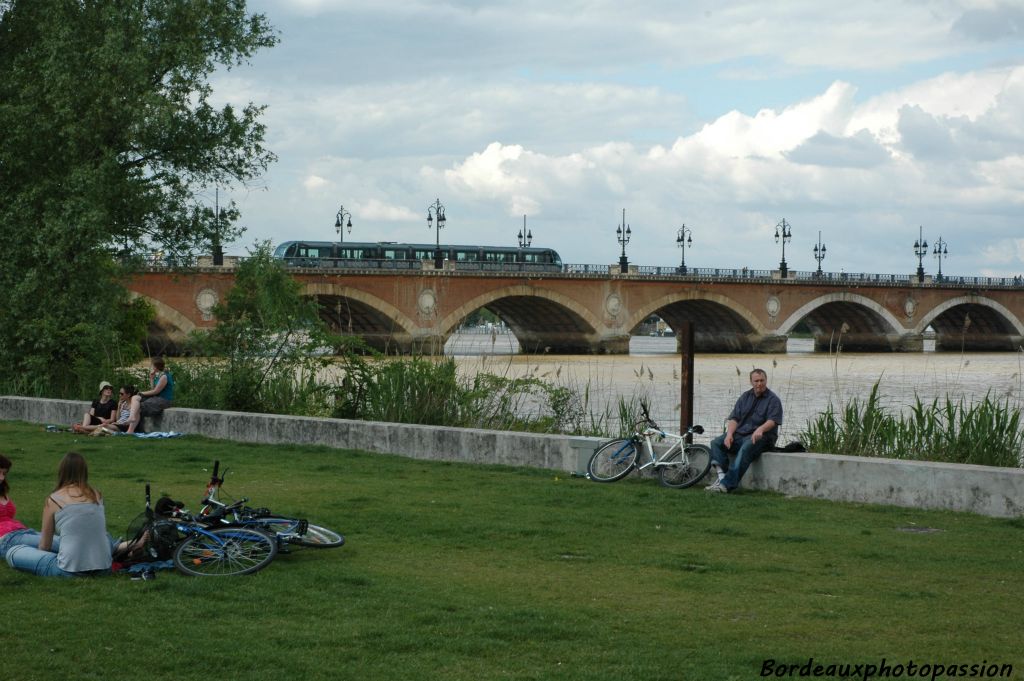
<point x="574" y="313"/>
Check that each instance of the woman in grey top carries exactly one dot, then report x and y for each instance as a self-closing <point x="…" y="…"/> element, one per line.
<point x="74" y="510"/>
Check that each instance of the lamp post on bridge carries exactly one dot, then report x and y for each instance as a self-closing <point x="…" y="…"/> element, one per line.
<point x="920" y="250"/>
<point x="525" y="237"/>
<point x="622" y="235"/>
<point x="784" y="233"/>
<point x="435" y="211"/>
<point x="684" y="239"/>
<point x="819" y="253"/>
<point x="339" y="223"/>
<point x="940" y="252"/>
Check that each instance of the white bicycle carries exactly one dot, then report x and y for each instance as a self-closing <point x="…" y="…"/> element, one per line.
<point x="682" y="465"/>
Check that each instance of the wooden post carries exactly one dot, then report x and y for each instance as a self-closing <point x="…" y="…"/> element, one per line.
<point x="684" y="334"/>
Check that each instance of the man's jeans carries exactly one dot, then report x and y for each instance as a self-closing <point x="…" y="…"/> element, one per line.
<point x="745" y="451"/>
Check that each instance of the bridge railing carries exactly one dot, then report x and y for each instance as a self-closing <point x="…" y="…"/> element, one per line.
<point x="486" y="266"/>
<point x="840" y="277"/>
<point x="160" y="261"/>
<point x="586" y="269"/>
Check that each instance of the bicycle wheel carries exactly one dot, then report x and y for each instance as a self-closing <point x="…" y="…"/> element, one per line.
<point x="320" y="538"/>
<point x="230" y="551"/>
<point x="683" y="471"/>
<point x="289" y="530"/>
<point x="613" y="460"/>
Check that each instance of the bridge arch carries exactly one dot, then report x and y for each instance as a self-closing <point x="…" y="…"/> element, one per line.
<point x="852" y="321"/>
<point x="720" y="323"/>
<point x="168" y="330"/>
<point x="353" y="312"/>
<point x="991" y="326"/>
<point x="542" y="320"/>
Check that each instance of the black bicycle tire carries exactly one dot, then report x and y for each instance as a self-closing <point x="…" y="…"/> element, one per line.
<point x="623" y="466"/>
<point x="198" y="552"/>
<point x="693" y="473"/>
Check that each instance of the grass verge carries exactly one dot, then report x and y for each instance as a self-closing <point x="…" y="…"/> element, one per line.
<point x="453" y="571"/>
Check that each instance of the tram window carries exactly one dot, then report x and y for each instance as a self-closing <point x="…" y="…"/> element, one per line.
<point x="467" y="256"/>
<point x="395" y="254"/>
<point x="424" y="255"/>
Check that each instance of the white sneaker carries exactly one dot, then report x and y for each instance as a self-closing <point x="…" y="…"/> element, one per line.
<point x="716" y="486"/>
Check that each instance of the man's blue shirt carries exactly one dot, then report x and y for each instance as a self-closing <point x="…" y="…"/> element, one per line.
<point x="751" y="411"/>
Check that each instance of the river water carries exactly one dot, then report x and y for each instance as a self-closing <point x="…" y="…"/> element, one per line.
<point x="806" y="381"/>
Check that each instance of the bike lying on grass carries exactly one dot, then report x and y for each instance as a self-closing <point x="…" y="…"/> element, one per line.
<point x="288" y="531"/>
<point x="682" y="465"/>
<point x="170" y="532"/>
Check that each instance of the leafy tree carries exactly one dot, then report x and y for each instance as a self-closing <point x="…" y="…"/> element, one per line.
<point x="269" y="340"/>
<point x="109" y="141"/>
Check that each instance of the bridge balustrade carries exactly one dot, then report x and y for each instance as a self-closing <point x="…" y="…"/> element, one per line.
<point x="585" y="269"/>
<point x="488" y="266"/>
<point x="155" y="261"/>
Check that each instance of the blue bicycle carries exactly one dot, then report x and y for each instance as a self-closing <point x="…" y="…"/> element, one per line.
<point x="171" y="532"/>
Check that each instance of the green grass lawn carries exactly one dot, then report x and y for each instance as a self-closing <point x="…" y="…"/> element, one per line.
<point x="453" y="571"/>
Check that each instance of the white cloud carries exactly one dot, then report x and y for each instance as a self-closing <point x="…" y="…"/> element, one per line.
<point x="314" y="183"/>
<point x="860" y="150"/>
<point x="375" y="209"/>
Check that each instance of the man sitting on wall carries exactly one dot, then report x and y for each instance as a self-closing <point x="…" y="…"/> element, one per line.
<point x="752" y="427"/>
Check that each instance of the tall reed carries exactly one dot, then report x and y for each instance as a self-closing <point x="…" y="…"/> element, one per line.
<point x="986" y="432"/>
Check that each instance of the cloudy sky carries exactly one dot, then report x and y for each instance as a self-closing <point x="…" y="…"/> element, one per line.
<point x="862" y="120"/>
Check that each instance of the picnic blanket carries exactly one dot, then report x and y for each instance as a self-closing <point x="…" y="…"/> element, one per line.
<point x="157" y="434"/>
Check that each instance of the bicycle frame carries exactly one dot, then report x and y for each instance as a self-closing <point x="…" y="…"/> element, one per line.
<point x="237" y="514"/>
<point x="679" y="443"/>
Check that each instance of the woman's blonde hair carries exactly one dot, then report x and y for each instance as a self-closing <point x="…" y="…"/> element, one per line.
<point x="73" y="471"/>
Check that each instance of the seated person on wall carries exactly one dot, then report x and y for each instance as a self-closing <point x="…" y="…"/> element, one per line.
<point x="101" y="413"/>
<point x="752" y="427"/>
<point x="161" y="390"/>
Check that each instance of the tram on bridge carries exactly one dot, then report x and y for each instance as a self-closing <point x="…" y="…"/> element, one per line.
<point x="390" y="255"/>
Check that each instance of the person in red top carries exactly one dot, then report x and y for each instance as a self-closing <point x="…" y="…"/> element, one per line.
<point x="12" y="531"/>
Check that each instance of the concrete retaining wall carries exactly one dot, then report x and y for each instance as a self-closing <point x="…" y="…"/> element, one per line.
<point x="985" y="490"/>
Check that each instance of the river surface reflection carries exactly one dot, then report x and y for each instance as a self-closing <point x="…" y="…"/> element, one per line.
<point x="806" y="381"/>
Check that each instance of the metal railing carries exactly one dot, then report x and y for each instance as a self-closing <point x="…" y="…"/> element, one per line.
<point x="159" y="261"/>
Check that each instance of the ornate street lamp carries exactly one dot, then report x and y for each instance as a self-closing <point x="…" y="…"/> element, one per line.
<point x="436" y="211"/>
<point x="622" y="235"/>
<point x="784" y="232"/>
<point x="684" y="238"/>
<point x="339" y="223"/>
<point x="819" y="253"/>
<point x="940" y="252"/>
<point x="525" y="237"/>
<point x="920" y="250"/>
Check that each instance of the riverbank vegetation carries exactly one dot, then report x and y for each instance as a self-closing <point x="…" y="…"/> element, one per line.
<point x="955" y="431"/>
<point x="460" y="572"/>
